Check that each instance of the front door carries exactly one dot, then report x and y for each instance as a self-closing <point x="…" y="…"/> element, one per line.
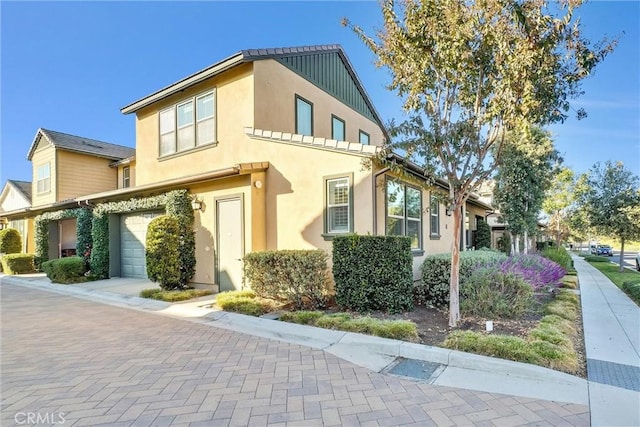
<point x="230" y="238"/>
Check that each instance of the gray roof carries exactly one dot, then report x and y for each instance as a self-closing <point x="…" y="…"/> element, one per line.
<point x="23" y="186"/>
<point x="80" y="144"/>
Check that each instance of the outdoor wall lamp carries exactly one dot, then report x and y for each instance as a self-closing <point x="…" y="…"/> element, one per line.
<point x="196" y="204"/>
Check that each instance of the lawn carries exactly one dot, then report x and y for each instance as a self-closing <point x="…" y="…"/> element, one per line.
<point x="612" y="271"/>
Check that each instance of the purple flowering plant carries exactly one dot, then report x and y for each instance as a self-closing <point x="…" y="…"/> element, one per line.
<point x="539" y="272"/>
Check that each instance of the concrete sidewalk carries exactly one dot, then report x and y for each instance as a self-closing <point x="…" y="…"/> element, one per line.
<point x="611" y="322"/>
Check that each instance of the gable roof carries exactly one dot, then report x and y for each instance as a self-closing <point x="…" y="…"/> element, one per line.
<point x="23" y="187"/>
<point x="80" y="144"/>
<point x="326" y="66"/>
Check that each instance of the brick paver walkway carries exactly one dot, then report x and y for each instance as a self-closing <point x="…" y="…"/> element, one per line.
<point x="66" y="359"/>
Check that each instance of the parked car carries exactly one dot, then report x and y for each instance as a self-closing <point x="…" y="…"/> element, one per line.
<point x="592" y="249"/>
<point x="638" y="261"/>
<point x="604" y="250"/>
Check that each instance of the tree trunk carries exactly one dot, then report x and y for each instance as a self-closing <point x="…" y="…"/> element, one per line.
<point x="526" y="241"/>
<point x="558" y="229"/>
<point x="454" y="278"/>
<point x="621" y="255"/>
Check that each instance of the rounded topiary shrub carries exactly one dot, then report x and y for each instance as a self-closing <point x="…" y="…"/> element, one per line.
<point x="163" y="253"/>
<point x="10" y="241"/>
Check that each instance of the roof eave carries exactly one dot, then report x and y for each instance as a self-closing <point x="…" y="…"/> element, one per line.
<point x="195" y="78"/>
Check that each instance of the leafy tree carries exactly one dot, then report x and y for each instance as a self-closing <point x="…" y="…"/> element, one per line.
<point x="610" y="200"/>
<point x="469" y="72"/>
<point x="528" y="159"/>
<point x="558" y="199"/>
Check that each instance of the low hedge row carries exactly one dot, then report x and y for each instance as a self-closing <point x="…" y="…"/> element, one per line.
<point x="65" y="270"/>
<point x="632" y="288"/>
<point x="17" y="263"/>
<point x="297" y="276"/>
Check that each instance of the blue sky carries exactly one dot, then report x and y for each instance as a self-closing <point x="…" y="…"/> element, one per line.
<point x="71" y="66"/>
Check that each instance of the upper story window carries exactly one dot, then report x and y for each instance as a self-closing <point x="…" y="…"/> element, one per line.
<point x="43" y="183"/>
<point x="339" y="205"/>
<point x="404" y="212"/>
<point x="188" y="124"/>
<point x="304" y="116"/>
<point x="434" y="209"/>
<point x="126" y="177"/>
<point x="364" y="138"/>
<point x="337" y="128"/>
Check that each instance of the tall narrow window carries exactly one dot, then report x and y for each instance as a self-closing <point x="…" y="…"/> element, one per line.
<point x="434" y="208"/>
<point x="126" y="177"/>
<point x="205" y="110"/>
<point x="186" y="134"/>
<point x="43" y="183"/>
<point x="337" y="128"/>
<point x="364" y="138"/>
<point x="304" y="116"/>
<point x="404" y="212"/>
<point x="339" y="204"/>
<point x="167" y="131"/>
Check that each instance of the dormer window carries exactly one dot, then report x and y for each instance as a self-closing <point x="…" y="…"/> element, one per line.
<point x="126" y="177"/>
<point x="43" y="183"/>
<point x="188" y="124"/>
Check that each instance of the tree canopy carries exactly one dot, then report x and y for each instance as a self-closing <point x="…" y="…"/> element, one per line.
<point x="468" y="73"/>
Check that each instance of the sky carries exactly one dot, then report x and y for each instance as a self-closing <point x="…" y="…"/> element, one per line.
<point x="71" y="66"/>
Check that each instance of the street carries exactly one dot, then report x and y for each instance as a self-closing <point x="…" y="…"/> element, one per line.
<point x="74" y="362"/>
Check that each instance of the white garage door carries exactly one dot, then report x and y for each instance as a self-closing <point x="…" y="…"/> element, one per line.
<point x="133" y="234"/>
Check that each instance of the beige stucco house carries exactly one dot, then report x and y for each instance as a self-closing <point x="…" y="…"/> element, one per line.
<point x="275" y="146"/>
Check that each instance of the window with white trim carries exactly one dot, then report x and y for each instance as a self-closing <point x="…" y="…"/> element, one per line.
<point x="188" y="124"/>
<point x="43" y="183"/>
<point x="404" y="212"/>
<point x="434" y="210"/>
<point x="126" y="177"/>
<point x="338" y="210"/>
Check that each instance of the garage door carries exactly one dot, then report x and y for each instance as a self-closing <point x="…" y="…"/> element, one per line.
<point x="133" y="234"/>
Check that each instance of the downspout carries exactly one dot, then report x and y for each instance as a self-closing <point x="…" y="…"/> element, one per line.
<point x="374" y="197"/>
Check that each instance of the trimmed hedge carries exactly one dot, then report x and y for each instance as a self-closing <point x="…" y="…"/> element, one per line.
<point x="560" y="256"/>
<point x="436" y="272"/>
<point x="373" y="272"/>
<point x="17" y="263"/>
<point x="298" y="276"/>
<point x="483" y="235"/>
<point x="163" y="252"/>
<point x="10" y="241"/>
<point x="596" y="258"/>
<point x="65" y="270"/>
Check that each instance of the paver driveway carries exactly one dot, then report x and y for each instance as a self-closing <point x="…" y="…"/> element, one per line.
<point x="74" y="362"/>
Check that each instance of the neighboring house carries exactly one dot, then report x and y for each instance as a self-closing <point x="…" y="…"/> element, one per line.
<point x="275" y="145"/>
<point x="64" y="168"/>
<point x="16" y="196"/>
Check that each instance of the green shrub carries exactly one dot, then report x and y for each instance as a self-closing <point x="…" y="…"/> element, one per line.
<point x="17" y="263"/>
<point x="436" y="270"/>
<point x="632" y="288"/>
<point x="570" y="282"/>
<point x="301" y="317"/>
<point x="10" y="241"/>
<point x="483" y="235"/>
<point x="297" y="276"/>
<point x="173" y="296"/>
<point x="65" y="270"/>
<point x="492" y="294"/>
<point x="373" y="272"/>
<point x="504" y="243"/>
<point x="560" y="256"/>
<point x="163" y="252"/>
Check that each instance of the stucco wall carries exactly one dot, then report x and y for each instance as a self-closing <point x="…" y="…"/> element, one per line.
<point x="275" y="89"/>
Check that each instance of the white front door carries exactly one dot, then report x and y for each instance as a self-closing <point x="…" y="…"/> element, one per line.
<point x="230" y="238"/>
